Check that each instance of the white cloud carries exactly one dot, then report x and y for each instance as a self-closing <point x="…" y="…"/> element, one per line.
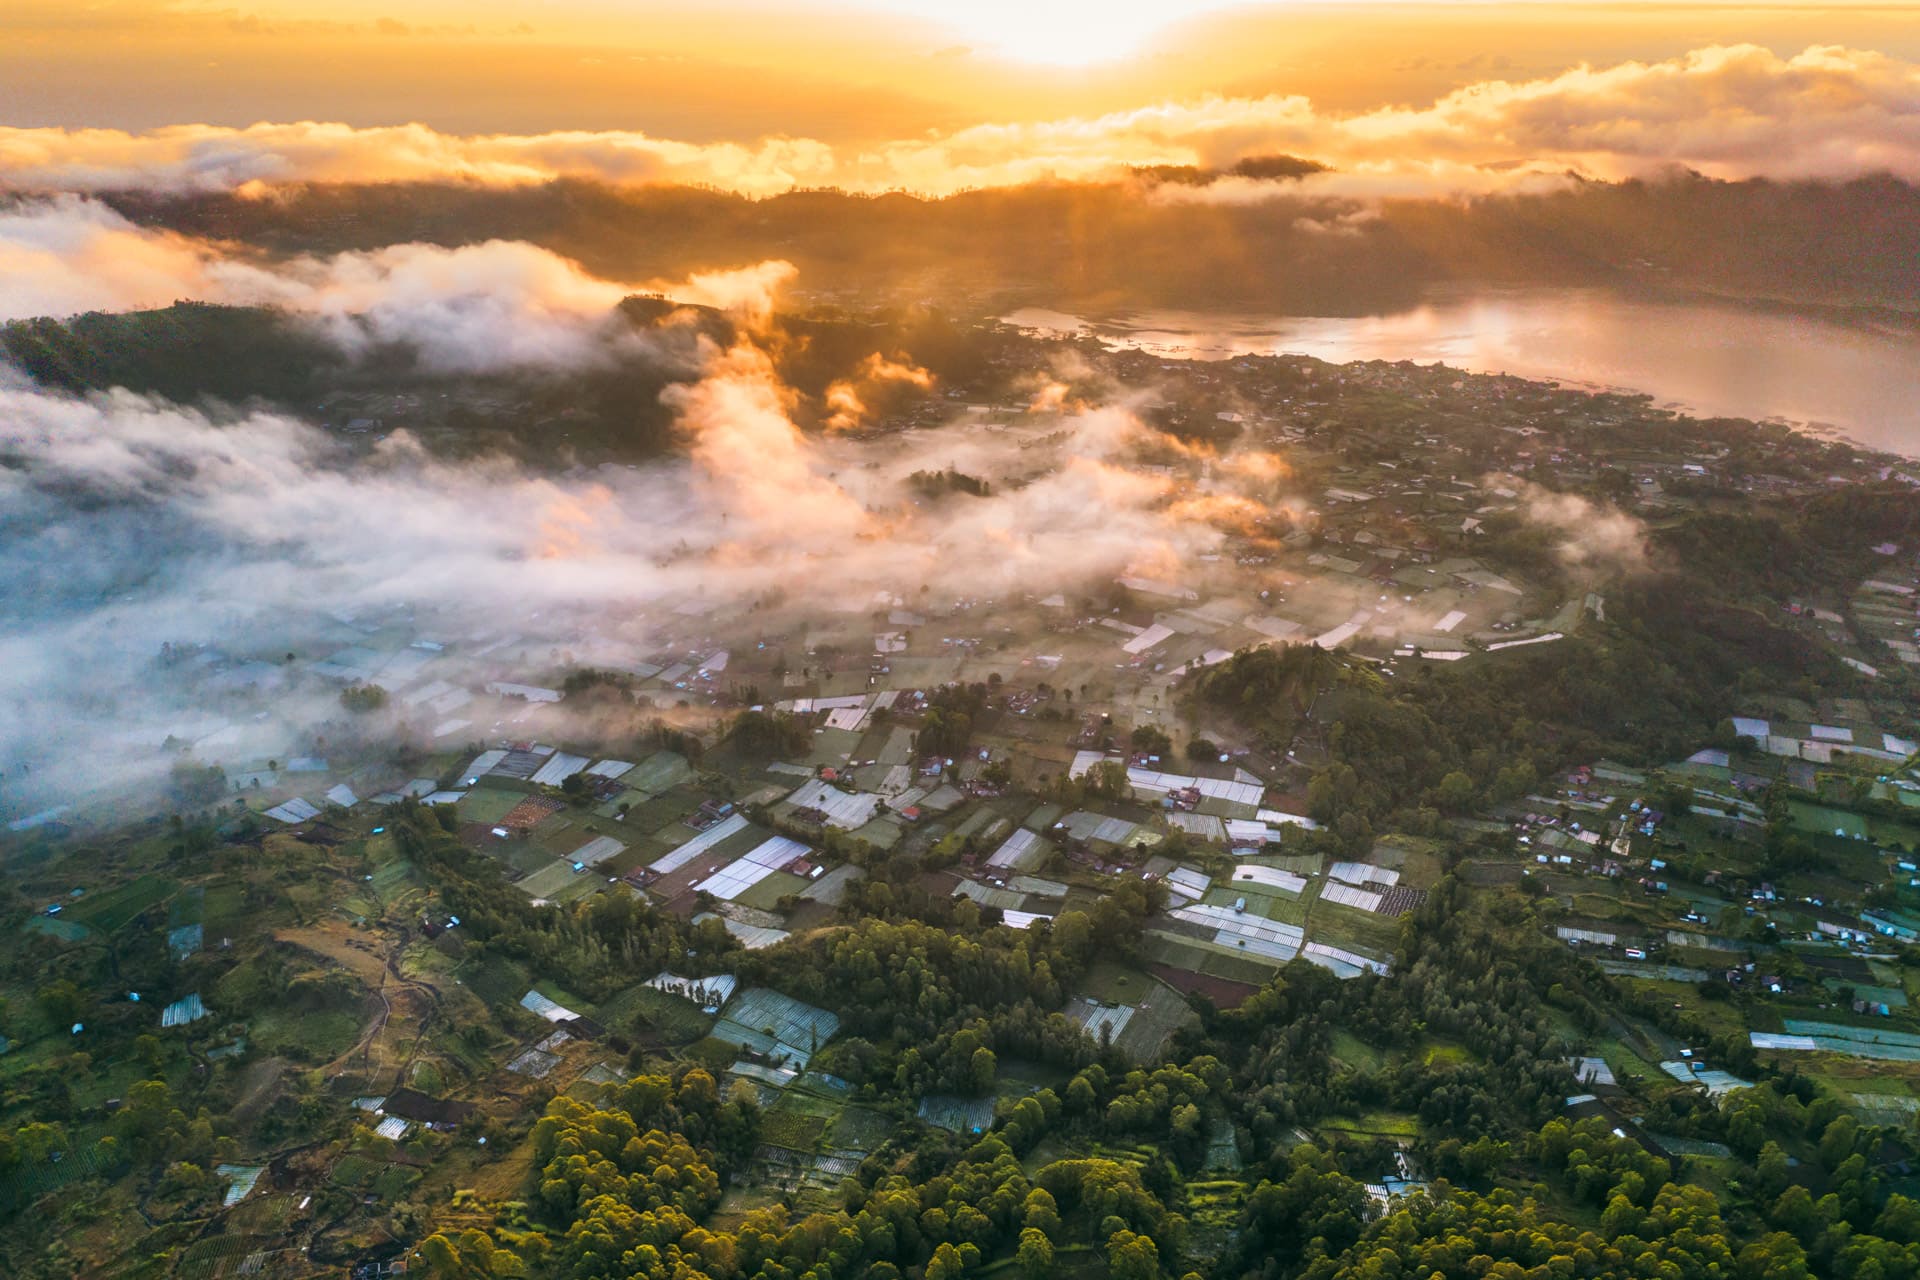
<point x="1730" y="112"/>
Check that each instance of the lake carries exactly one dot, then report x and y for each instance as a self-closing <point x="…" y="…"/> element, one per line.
<point x="1705" y="358"/>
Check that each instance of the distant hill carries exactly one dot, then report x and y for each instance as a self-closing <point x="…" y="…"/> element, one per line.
<point x="1136" y="244"/>
<point x="222" y="356"/>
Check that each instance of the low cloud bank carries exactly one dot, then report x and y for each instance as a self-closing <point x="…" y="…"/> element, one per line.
<point x="1726" y="111"/>
<point x="134" y="528"/>
<point x="496" y="306"/>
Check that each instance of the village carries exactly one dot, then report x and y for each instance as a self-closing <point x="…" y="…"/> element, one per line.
<point x="1024" y="760"/>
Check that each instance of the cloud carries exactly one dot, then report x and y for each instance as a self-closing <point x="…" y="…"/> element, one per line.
<point x="66" y="255"/>
<point x="193" y="157"/>
<point x="1727" y="111"/>
<point x="849" y="400"/>
<point x="1596" y="534"/>
<point x="127" y="522"/>
<point x="747" y="293"/>
<point x="498" y="305"/>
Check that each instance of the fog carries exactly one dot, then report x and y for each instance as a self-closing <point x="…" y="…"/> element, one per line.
<point x="251" y="545"/>
<point x="188" y="583"/>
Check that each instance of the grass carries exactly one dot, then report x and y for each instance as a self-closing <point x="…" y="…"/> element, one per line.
<point x="561" y="996"/>
<point x="858" y="1129"/>
<point x="798" y="1101"/>
<point x="1442" y="1053"/>
<point x="1420" y="861"/>
<point x="110" y="910"/>
<point x="673" y="1019"/>
<point x="1343" y="927"/>
<point x="496" y="980"/>
<point x="658" y="772"/>
<point x="1112" y="984"/>
<point x="791" y="1129"/>
<point x="187" y="908"/>
<point x="1161" y="948"/>
<point x="1601" y="906"/>
<point x="1351" y="1049"/>
<point x="392" y="877"/>
<point x="558" y="881"/>
<point x="226" y="907"/>
<point x="1813" y="819"/>
<point x="1377" y="1124"/>
<point x="1219" y="964"/>
<point x="395" y="1181"/>
<point x="58" y="927"/>
<point x="356" y="1171"/>
<point x="1892" y="832"/>
<point x="521" y="857"/>
<point x="488" y="804"/>
<point x="305" y="1035"/>
<point x="661" y="816"/>
<point x="1722" y="1017"/>
<point x="764" y="895"/>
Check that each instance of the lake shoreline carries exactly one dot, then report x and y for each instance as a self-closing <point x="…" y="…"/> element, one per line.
<point x="1848" y="374"/>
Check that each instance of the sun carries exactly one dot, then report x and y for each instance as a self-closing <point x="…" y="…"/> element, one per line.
<point x="1070" y="34"/>
<point x="1057" y="33"/>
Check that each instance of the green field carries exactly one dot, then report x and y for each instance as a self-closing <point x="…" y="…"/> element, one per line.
<point x="496" y="980"/>
<point x="858" y="1129"/>
<point x="642" y="1007"/>
<point x="1352" y="1050"/>
<point x="188" y="907"/>
<point x="658" y="772"/>
<point x="1110" y="983"/>
<point x="1377" y="1124"/>
<point x="1363" y="931"/>
<point x="1816" y="819"/>
<point x="392" y="877"/>
<point x="110" y="910"/>
<point x="58" y="927"/>
<point x="488" y="804"/>
<point x="309" y="1036"/>
<point x="795" y="1130"/>
<point x="767" y="894"/>
<point x="559" y="882"/>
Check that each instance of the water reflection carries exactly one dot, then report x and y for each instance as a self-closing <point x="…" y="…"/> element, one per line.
<point x="1707" y="358"/>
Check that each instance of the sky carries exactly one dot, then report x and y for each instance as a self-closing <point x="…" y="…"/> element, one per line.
<point x="1397" y="97"/>
<point x="136" y="520"/>
<point x="845" y="73"/>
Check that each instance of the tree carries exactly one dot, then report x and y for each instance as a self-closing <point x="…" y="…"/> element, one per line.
<point x="946" y="1264"/>
<point x="1771" y="1169"/>
<point x="762" y="734"/>
<point x="38" y="1141"/>
<point x="1150" y="740"/>
<point x="363" y="698"/>
<point x="1456" y="792"/>
<point x="1034" y="1257"/>
<point x="62" y="1001"/>
<point x="441" y="1257"/>
<point x="1040" y="1213"/>
<point x="1107" y="779"/>
<point x="1899" y="1220"/>
<point x="1132" y="1257"/>
<point x="982" y="1070"/>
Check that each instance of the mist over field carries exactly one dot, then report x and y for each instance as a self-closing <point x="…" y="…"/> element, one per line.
<point x="911" y="641"/>
<point x="207" y="509"/>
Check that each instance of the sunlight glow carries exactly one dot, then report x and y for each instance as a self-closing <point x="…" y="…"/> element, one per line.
<point x="1060" y="33"/>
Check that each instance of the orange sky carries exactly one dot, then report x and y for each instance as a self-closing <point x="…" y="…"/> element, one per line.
<point x="844" y="74"/>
